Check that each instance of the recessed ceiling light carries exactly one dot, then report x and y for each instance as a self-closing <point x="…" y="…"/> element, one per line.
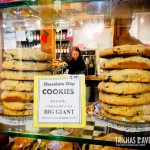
<point x="142" y="20"/>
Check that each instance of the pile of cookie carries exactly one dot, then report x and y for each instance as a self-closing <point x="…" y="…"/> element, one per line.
<point x="19" y="68"/>
<point x="108" y="137"/>
<point x="124" y="92"/>
<point x="58" y="65"/>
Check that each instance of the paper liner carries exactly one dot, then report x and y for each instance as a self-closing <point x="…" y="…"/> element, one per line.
<point x="119" y="125"/>
<point x="122" y="125"/>
<point x="16" y="120"/>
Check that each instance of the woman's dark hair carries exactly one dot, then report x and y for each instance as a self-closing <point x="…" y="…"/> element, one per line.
<point x="75" y="48"/>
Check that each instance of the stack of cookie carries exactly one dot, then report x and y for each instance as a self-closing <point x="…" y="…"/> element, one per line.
<point x="125" y="88"/>
<point x="19" y="68"/>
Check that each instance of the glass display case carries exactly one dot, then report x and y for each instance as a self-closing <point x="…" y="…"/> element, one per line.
<point x="118" y="32"/>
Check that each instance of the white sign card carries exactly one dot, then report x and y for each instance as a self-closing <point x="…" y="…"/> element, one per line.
<point x="59" y="101"/>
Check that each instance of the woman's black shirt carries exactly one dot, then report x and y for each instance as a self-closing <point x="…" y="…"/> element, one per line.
<point x="76" y="67"/>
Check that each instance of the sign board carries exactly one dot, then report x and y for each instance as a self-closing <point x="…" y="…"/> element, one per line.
<point x="59" y="101"/>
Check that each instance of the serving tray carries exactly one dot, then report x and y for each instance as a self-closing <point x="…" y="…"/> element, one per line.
<point x="93" y="111"/>
<point x="16" y="120"/>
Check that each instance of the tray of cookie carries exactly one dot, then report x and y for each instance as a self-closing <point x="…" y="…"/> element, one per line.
<point x="95" y="112"/>
<point x="124" y="88"/>
<point x="58" y="65"/>
<point x="22" y="143"/>
<point x="18" y="70"/>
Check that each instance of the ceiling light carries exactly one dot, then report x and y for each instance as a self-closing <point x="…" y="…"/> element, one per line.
<point x="81" y="22"/>
<point x="141" y="20"/>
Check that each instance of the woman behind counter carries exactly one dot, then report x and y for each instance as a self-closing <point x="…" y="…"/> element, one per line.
<point x="76" y="64"/>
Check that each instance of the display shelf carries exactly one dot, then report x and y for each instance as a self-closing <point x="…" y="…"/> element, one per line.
<point x="96" y="126"/>
<point x="88" y="136"/>
<point x="65" y="40"/>
<point x="63" y="44"/>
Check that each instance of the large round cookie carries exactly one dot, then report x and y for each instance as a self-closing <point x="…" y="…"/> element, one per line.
<point x="133" y="62"/>
<point x="22" y="75"/>
<point x="126" y="50"/>
<point x="126" y="75"/>
<point x="26" y="65"/>
<point x="10" y="112"/>
<point x="17" y="85"/>
<point x="137" y="118"/>
<point x="18" y="105"/>
<point x="124" y="87"/>
<point x="26" y="54"/>
<point x="126" y="110"/>
<point x="17" y="96"/>
<point x="126" y="100"/>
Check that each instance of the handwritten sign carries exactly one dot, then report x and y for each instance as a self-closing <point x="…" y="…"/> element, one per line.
<point x="59" y="101"/>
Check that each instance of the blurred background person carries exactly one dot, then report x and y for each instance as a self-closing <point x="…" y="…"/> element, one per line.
<point x="76" y="64"/>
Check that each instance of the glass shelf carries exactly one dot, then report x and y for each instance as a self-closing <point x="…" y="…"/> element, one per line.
<point x="84" y="136"/>
<point x="87" y="135"/>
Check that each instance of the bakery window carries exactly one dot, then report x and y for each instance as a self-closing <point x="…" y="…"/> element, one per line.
<point x="117" y="31"/>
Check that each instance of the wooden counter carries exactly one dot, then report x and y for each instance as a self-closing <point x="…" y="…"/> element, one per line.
<point x="92" y="77"/>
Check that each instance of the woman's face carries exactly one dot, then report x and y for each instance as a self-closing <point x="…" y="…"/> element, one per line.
<point x="75" y="55"/>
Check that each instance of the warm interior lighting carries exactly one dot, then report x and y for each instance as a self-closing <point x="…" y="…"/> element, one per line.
<point x="142" y="20"/>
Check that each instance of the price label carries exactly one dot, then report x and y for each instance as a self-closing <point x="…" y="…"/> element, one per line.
<point x="59" y="101"/>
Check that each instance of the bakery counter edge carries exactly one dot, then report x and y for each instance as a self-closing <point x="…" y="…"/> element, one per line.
<point x="92" y="78"/>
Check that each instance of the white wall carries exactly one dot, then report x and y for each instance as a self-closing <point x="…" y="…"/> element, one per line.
<point x="93" y="36"/>
<point x="140" y="28"/>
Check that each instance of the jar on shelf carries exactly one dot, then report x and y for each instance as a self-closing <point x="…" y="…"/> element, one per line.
<point x="63" y="36"/>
